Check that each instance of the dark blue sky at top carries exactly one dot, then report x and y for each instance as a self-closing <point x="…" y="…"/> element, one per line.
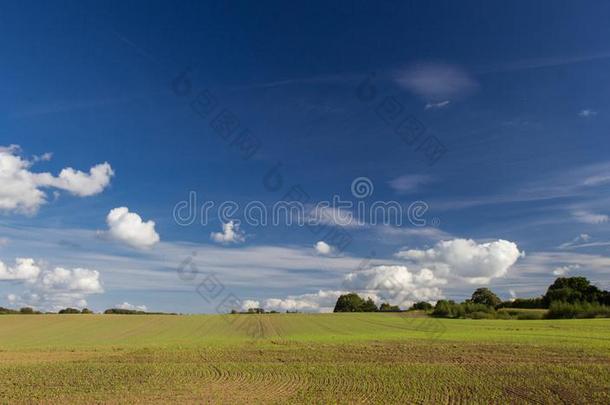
<point x="91" y="82"/>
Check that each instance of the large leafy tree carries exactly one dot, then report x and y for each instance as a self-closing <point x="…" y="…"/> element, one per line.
<point x="352" y="302"/>
<point x="369" y="306"/>
<point x="349" y="303"/>
<point x="573" y="289"/>
<point x="486" y="297"/>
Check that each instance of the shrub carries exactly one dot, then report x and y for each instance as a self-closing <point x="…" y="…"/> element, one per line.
<point x="480" y="315"/>
<point x="530" y="315"/>
<point x="385" y="307"/>
<point x="566" y="310"/>
<point x="121" y="311"/>
<point x="503" y="315"/>
<point x="526" y="303"/>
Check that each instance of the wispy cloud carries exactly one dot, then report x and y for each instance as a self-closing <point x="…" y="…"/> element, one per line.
<point x="590" y="217"/>
<point x="409" y="182"/>
<point x="563" y="270"/>
<point x="580" y="239"/>
<point x="440" y="104"/>
<point x="436" y="82"/>
<point x="543" y="62"/>
<point x="587" y="113"/>
<point x="570" y="182"/>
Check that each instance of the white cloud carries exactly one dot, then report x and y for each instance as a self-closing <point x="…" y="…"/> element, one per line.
<point x="467" y="260"/>
<point x="21" y="188"/>
<point x="58" y="288"/>
<point x="322" y="301"/>
<point x="25" y="269"/>
<point x="438" y="105"/>
<point x="596" y="179"/>
<point x="436" y="81"/>
<point x="580" y="239"/>
<point x="587" y="113"/>
<point x="513" y="294"/>
<point x="127" y="305"/>
<point x="589" y="217"/>
<point x="83" y="184"/>
<point x="396" y="284"/>
<point x="321" y="214"/>
<point x="82" y="281"/>
<point x="409" y="182"/>
<point x="248" y="304"/>
<point x="129" y="228"/>
<point x="230" y="234"/>
<point x="563" y="270"/>
<point x="323" y="248"/>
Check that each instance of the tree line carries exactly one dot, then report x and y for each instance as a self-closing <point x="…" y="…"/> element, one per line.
<point x="567" y="297"/>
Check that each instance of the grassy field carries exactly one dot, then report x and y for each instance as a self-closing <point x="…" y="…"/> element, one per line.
<point x="287" y="358"/>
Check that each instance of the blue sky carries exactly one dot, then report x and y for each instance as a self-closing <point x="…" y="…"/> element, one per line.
<point x="514" y="95"/>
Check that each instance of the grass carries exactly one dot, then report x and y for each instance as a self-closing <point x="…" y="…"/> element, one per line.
<point x="288" y="358"/>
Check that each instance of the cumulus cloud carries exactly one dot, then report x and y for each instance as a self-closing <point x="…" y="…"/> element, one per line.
<point x="51" y="289"/>
<point x="83" y="281"/>
<point x="25" y="269"/>
<point x="83" y="184"/>
<point x="249" y="304"/>
<point x="322" y="301"/>
<point x="128" y="227"/>
<point x="436" y="82"/>
<point x="409" y="182"/>
<point x="467" y="260"/>
<point x="323" y="248"/>
<point x="230" y="234"/>
<point x="396" y="284"/>
<point x="456" y="260"/>
<point x="21" y="189"/>
<point x="589" y="217"/>
<point x="127" y="305"/>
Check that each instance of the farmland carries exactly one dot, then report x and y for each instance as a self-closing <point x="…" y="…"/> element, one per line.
<point x="287" y="358"/>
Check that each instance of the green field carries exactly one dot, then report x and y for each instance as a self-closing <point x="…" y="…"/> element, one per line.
<point x="287" y="358"/>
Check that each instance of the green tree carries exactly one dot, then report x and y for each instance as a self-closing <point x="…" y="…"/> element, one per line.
<point x="386" y="307"/>
<point x="444" y="308"/>
<point x="573" y="289"/>
<point x="486" y="297"/>
<point x="369" y="306"/>
<point x="69" y="311"/>
<point x="351" y="302"/>
<point x="422" y="306"/>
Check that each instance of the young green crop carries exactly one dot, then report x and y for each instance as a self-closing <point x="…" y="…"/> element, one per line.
<point x="302" y="358"/>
